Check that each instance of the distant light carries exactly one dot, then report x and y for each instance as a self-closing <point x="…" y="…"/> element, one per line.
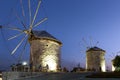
<point x="24" y="63"/>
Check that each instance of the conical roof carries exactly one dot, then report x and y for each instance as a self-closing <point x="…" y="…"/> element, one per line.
<point x="45" y="35"/>
<point x="95" y="49"/>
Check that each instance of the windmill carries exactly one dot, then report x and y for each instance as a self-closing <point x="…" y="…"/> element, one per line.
<point x="94" y="55"/>
<point x="36" y="39"/>
<point x="27" y="32"/>
<point x="111" y="57"/>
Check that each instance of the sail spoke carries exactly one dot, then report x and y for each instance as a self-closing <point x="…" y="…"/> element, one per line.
<point x="18" y="45"/>
<point x="41" y="21"/>
<point x="16" y="36"/>
<point x="35" y="14"/>
<point x="23" y="12"/>
<point x="20" y="57"/>
<point x="29" y="6"/>
<point x="20" y="21"/>
<point x="12" y="28"/>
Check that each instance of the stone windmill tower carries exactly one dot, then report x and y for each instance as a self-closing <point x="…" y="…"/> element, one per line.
<point x="44" y="52"/>
<point x="95" y="60"/>
<point x="44" y="48"/>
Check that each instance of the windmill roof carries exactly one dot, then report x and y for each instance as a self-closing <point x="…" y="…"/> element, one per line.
<point x="95" y="49"/>
<point x="44" y="34"/>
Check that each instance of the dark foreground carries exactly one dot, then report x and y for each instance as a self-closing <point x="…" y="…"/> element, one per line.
<point x="75" y="76"/>
<point x="104" y="75"/>
<point x="58" y="76"/>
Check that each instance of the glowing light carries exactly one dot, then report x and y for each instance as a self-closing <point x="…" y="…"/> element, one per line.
<point x="113" y="68"/>
<point x="50" y="60"/>
<point x="103" y="68"/>
<point x="52" y="65"/>
<point x="24" y="63"/>
<point x="103" y="64"/>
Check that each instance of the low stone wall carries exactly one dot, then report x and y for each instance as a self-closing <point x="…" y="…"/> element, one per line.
<point x="18" y="75"/>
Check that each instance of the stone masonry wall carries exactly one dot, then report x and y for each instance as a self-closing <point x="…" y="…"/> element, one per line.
<point x="45" y="53"/>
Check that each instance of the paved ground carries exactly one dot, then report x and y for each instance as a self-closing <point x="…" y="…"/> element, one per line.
<point x="66" y="76"/>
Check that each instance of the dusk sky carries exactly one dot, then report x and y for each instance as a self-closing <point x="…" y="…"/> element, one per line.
<point x="70" y="21"/>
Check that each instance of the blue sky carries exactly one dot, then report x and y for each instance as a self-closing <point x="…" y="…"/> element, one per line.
<point x="70" y="21"/>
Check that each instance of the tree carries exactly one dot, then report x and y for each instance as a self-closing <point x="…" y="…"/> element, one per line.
<point x="116" y="63"/>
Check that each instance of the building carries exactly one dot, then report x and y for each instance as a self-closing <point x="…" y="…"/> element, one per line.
<point x="113" y="68"/>
<point x="45" y="52"/>
<point x="95" y="60"/>
<point x="20" y="67"/>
